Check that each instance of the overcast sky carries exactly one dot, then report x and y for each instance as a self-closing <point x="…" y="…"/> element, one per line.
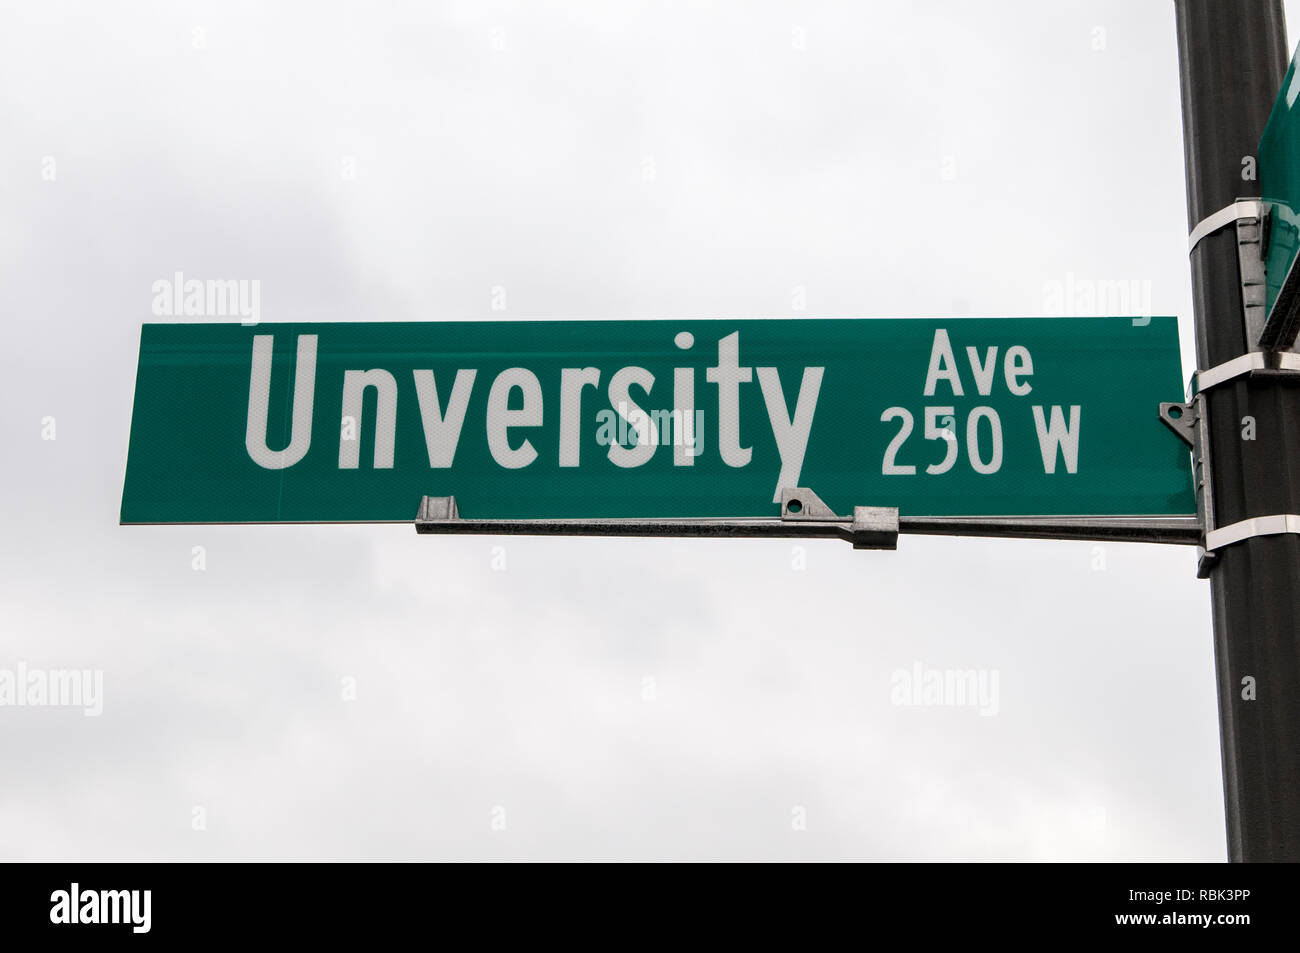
<point x="345" y="692"/>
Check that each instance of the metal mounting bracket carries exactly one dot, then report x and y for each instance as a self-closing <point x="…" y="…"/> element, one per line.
<point x="1248" y="214"/>
<point x="1279" y="364"/>
<point x="1250" y="261"/>
<point x="805" y="515"/>
<point x="1189" y="422"/>
<point x="1238" y="210"/>
<point x="1181" y="419"/>
<point x="1270" y="338"/>
<point x="1275" y="525"/>
<point x="872" y="527"/>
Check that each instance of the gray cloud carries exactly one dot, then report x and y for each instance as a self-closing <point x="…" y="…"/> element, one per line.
<point x="773" y="167"/>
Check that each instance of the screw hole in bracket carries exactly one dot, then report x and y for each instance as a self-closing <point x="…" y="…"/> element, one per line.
<point x="1181" y="419"/>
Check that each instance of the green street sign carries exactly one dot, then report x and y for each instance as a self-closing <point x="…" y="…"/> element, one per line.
<point x="1279" y="182"/>
<point x="356" y="422"/>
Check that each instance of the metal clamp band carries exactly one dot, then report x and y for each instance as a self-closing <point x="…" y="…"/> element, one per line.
<point x="1285" y="362"/>
<point x="1248" y="529"/>
<point x="1242" y="208"/>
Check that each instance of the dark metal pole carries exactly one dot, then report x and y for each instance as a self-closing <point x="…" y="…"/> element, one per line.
<point x="1232" y="56"/>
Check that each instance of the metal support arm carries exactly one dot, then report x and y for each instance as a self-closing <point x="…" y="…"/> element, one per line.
<point x="804" y="515"/>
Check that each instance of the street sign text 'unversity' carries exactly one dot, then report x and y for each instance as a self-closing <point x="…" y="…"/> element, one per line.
<point x="356" y="422"/>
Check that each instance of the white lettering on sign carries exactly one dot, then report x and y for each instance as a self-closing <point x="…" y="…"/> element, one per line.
<point x="946" y="416"/>
<point x="500" y="418"/>
<point x="943" y="366"/>
<point x="1056" y="436"/>
<point x="729" y="375"/>
<point x="791" y="433"/>
<point x="685" y="447"/>
<point x="259" y="403"/>
<point x="354" y="391"/>
<point x="630" y="432"/>
<point x="647" y="435"/>
<point x="572" y="382"/>
<point x="1018" y="364"/>
<point x="890" y="468"/>
<point x="442" y="431"/>
<point x="983" y="374"/>
<point x="994" y="461"/>
<point x="984" y="425"/>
